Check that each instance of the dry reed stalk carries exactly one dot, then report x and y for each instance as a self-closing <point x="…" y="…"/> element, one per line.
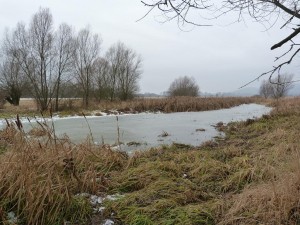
<point x="90" y="130"/>
<point x="39" y="179"/>
<point x="118" y="133"/>
<point x="166" y="104"/>
<point x="269" y="203"/>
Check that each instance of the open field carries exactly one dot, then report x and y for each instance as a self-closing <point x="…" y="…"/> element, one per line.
<point x="251" y="177"/>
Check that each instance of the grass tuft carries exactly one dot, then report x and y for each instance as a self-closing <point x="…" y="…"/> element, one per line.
<point x="40" y="178"/>
<point x="252" y="176"/>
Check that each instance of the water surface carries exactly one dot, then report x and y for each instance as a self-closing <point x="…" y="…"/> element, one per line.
<point x="146" y="128"/>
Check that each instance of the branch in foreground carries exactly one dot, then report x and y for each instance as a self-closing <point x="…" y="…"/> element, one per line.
<point x="180" y="10"/>
<point x="288" y="38"/>
<point x="276" y="68"/>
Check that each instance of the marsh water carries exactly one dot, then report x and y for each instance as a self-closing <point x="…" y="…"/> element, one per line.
<point x="145" y="130"/>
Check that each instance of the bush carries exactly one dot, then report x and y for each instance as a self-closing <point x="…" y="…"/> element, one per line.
<point x="184" y="86"/>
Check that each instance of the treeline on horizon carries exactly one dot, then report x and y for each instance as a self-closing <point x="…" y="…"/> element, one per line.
<point x="47" y="64"/>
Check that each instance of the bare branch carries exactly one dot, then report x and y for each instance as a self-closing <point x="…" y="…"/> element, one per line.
<point x="294" y="13"/>
<point x="288" y="38"/>
<point x="266" y="12"/>
<point x="153" y="7"/>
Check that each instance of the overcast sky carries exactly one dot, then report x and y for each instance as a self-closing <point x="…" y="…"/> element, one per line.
<point x="221" y="58"/>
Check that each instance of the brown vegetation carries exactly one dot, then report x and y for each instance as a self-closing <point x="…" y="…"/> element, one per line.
<point x="174" y="104"/>
<point x="251" y="177"/>
<point x="166" y="105"/>
<point x="40" y="179"/>
<point x="187" y="104"/>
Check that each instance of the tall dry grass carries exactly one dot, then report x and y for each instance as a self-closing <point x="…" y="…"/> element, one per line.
<point x="177" y="104"/>
<point x="275" y="202"/>
<point x="41" y="177"/>
<point x="174" y="104"/>
<point x="251" y="177"/>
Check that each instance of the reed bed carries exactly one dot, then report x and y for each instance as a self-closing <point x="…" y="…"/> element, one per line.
<point x="166" y="105"/>
<point x="177" y="104"/>
<point x="40" y="178"/>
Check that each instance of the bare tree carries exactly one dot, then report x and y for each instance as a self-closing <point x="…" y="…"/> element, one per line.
<point x="41" y="58"/>
<point x="281" y="84"/>
<point x="87" y="51"/>
<point x="12" y="79"/>
<point x="129" y="73"/>
<point x="65" y="49"/>
<point x="18" y="45"/>
<point x="277" y="87"/>
<point x="101" y="79"/>
<point x="266" y="12"/>
<point x="184" y="86"/>
<point x="114" y="58"/>
<point x="125" y="71"/>
<point x="265" y="89"/>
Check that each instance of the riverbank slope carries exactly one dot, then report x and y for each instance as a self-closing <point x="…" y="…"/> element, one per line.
<point x="252" y="176"/>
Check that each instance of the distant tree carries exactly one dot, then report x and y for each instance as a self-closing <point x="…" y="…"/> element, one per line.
<point x="41" y="57"/>
<point x="125" y="71"/>
<point x="265" y="89"/>
<point x="65" y="49"/>
<point x="184" y="86"/>
<point x="70" y="89"/>
<point x="129" y="73"/>
<point x="37" y="57"/>
<point x="29" y="54"/>
<point x="12" y="80"/>
<point x="87" y="51"/>
<point x="114" y="58"/>
<point x="281" y="84"/>
<point x="277" y="87"/>
<point x="101" y="79"/>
